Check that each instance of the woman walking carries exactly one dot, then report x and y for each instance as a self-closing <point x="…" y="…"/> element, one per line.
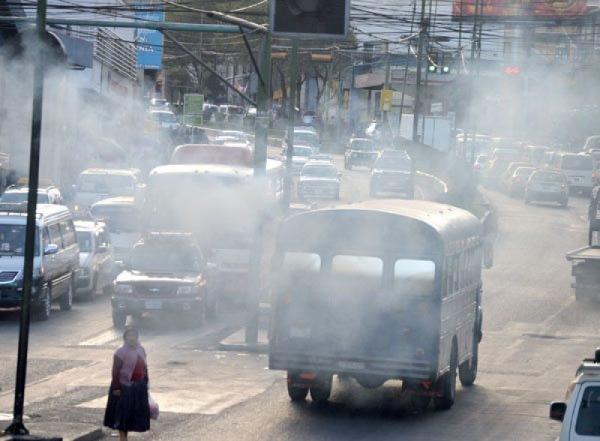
<point x="127" y="409"/>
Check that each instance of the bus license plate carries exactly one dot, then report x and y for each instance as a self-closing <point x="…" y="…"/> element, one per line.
<point x="354" y="365"/>
<point x="153" y="304"/>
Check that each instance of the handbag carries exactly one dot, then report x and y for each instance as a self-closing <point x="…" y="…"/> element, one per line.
<point x="153" y="406"/>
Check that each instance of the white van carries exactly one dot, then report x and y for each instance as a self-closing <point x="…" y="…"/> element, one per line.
<point x="578" y="168"/>
<point x="122" y="218"/>
<point x="56" y="259"/>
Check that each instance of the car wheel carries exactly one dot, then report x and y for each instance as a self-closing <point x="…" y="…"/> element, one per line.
<point x="66" y="300"/>
<point x="212" y="306"/>
<point x="564" y="203"/>
<point x="447" y="384"/>
<point x="89" y="295"/>
<point x="467" y="371"/>
<point x="44" y="309"/>
<point x="119" y="319"/>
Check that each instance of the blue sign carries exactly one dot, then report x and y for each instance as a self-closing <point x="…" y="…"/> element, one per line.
<point x="149" y="41"/>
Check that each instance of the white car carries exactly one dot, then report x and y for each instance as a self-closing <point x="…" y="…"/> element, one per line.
<point x="165" y="118"/>
<point x="580" y="413"/>
<point x="96" y="260"/>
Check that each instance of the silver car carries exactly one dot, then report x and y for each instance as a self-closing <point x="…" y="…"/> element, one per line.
<point x="96" y="260"/>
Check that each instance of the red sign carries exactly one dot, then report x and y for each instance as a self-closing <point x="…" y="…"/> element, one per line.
<point x="512" y="70"/>
<point x="518" y="8"/>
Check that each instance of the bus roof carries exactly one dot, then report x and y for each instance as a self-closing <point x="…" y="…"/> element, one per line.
<point x="233" y="155"/>
<point x="453" y="227"/>
<point x="214" y="169"/>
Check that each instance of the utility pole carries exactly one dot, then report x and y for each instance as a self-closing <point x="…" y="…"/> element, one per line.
<point x="261" y="138"/>
<point x="417" y="104"/>
<point x="386" y="85"/>
<point x="17" y="427"/>
<point x="289" y="151"/>
<point x="412" y="20"/>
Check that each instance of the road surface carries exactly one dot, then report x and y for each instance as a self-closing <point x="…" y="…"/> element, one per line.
<point x="534" y="337"/>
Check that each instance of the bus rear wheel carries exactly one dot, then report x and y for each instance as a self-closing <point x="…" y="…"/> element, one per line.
<point x="447" y="384"/>
<point x="295" y="392"/>
<point x="321" y="390"/>
<point x="467" y="371"/>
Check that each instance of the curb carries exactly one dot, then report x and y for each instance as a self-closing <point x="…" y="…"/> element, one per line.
<point x="253" y="348"/>
<point x="92" y="435"/>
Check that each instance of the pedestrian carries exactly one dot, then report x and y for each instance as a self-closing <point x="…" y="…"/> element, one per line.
<point x="127" y="409"/>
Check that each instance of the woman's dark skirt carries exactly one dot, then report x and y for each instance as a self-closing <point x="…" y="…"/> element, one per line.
<point x="129" y="412"/>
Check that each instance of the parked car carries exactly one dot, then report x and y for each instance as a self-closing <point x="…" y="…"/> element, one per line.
<point x="547" y="186"/>
<point x="518" y="181"/>
<point x="56" y="258"/>
<point x="319" y="180"/>
<point x="392" y="174"/>
<point x="96" y="184"/>
<point x="17" y="193"/>
<point x="96" y="260"/>
<point x="360" y="151"/>
<point x="209" y="112"/>
<point x="165" y="273"/>
<point x="580" y="411"/>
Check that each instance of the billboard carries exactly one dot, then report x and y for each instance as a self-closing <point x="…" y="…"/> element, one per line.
<point x="518" y="9"/>
<point x="193" y="105"/>
<point x="149" y="41"/>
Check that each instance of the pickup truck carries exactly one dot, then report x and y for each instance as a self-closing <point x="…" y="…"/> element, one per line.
<point x="580" y="411"/>
<point x="586" y="270"/>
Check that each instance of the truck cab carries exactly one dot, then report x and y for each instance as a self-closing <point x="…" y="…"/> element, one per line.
<point x="580" y="412"/>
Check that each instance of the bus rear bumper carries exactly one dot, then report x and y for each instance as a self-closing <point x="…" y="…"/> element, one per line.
<point x="384" y="368"/>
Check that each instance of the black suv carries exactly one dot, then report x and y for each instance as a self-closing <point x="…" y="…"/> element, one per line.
<point x="392" y="173"/>
<point x="165" y="272"/>
<point x="360" y="151"/>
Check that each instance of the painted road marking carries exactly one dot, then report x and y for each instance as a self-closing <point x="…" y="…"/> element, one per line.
<point x="213" y="399"/>
<point x="102" y="339"/>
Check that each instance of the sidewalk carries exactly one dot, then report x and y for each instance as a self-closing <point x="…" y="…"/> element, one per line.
<point x="66" y="431"/>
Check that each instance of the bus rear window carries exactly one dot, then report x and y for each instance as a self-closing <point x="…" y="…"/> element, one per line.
<point x="414" y="277"/>
<point x="304" y="263"/>
<point x="358" y="272"/>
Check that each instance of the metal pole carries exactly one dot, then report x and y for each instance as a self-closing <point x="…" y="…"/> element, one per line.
<point x="261" y="135"/>
<point x="412" y="20"/>
<point x="289" y="183"/>
<point x="17" y="427"/>
<point x="386" y="85"/>
<point x="417" y="104"/>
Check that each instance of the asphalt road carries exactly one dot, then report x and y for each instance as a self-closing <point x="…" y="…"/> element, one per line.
<point x="534" y="337"/>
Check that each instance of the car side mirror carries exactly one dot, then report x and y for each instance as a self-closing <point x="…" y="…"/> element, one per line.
<point x="101" y="249"/>
<point x="558" y="410"/>
<point x="51" y="249"/>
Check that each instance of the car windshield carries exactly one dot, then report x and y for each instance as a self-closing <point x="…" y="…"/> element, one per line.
<point x="165" y="258"/>
<point x="548" y="177"/>
<point x="397" y="163"/>
<point x="106" y="183"/>
<point x="119" y="219"/>
<point x="577" y="162"/>
<point x="363" y="145"/>
<point x="12" y="240"/>
<point x="302" y="151"/>
<point x="320" y="171"/>
<point x="84" y="240"/>
<point x="167" y="117"/>
<point x="589" y="413"/>
<point x="22" y="196"/>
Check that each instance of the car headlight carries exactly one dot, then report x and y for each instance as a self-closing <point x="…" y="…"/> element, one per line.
<point x="122" y="288"/>
<point x="185" y="290"/>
